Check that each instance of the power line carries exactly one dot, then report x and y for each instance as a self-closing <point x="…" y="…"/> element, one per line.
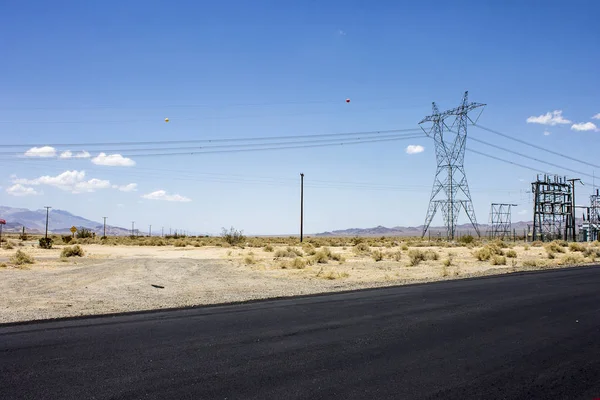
<point x="556" y="153"/>
<point x="166" y="142"/>
<point x="227" y="146"/>
<point x="531" y="158"/>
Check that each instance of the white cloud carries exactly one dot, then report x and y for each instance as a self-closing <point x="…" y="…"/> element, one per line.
<point x="20" y="190"/>
<point x="162" y="195"/>
<point x="522" y="212"/>
<point x="132" y="187"/>
<point x="584" y="126"/>
<point x="550" y="118"/>
<point x="70" y="154"/>
<point x="597" y="116"/>
<point x="546" y="133"/>
<point x="71" y="181"/>
<point x="43" y="152"/>
<point x="113" y="160"/>
<point x="414" y="149"/>
<point x="341" y="32"/>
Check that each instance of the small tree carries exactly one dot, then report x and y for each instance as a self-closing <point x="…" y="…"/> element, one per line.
<point x="83" y="233"/>
<point x="232" y="236"/>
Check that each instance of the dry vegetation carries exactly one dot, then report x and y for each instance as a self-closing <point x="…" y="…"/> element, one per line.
<point x="242" y="264"/>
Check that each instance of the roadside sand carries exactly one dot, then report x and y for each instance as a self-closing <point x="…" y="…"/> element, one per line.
<point x="111" y="279"/>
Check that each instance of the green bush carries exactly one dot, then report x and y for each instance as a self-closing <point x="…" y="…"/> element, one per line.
<point x="67" y="239"/>
<point x="83" y="233"/>
<point x="73" y="251"/>
<point x="45" y="243"/>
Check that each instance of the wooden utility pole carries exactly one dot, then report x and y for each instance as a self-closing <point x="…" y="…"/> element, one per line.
<point x="47" y="212"/>
<point x="104" y="226"/>
<point x="301" y="207"/>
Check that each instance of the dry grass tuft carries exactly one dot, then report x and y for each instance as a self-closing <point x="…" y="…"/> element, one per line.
<point x="268" y="248"/>
<point x="21" y="258"/>
<point x="577" y="247"/>
<point x="511" y="254"/>
<point x="498" y="260"/>
<point x="377" y="255"/>
<point x="74" y="251"/>
<point x="487" y="252"/>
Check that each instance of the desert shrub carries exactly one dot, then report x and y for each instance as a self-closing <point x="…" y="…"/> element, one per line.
<point x="8" y="246"/>
<point x="3" y="265"/>
<point x="249" y="260"/>
<point x="431" y="255"/>
<point x="530" y="263"/>
<point x="447" y="262"/>
<point x="498" y="260"/>
<point x="526" y="247"/>
<point x="180" y="243"/>
<point x="21" y="258"/>
<point x="288" y="252"/>
<point x="83" y="233"/>
<point x="395" y="255"/>
<point x="487" y="252"/>
<point x="361" y="248"/>
<point x="551" y="255"/>
<point x="308" y="248"/>
<point x="467" y="239"/>
<point x="298" y="263"/>
<point x="555" y="247"/>
<point x="592" y="253"/>
<point x="576" y="247"/>
<point x="377" y="255"/>
<point x="322" y="256"/>
<point x="562" y="243"/>
<point x="537" y="243"/>
<point x="232" y="236"/>
<point x="404" y="247"/>
<point x="72" y="251"/>
<point x="571" y="259"/>
<point x="66" y="238"/>
<point x="416" y="256"/>
<point x="511" y="254"/>
<point x="45" y="243"/>
<point x="268" y="248"/>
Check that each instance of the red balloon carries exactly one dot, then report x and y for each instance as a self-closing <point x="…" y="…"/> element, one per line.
<point x="347" y="100"/>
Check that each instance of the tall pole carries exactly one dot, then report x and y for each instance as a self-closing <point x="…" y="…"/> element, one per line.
<point x="132" y="231"/>
<point x="150" y="231"/>
<point x="573" y="207"/>
<point x="162" y="231"/>
<point x="47" y="212"/>
<point x="301" y="206"/>
<point x="104" y="226"/>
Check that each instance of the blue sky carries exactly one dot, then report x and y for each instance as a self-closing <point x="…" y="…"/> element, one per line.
<point x="82" y="72"/>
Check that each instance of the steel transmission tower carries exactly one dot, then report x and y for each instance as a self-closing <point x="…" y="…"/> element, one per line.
<point x="450" y="190"/>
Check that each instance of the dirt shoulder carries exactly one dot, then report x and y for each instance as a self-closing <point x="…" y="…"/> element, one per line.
<point x="109" y="279"/>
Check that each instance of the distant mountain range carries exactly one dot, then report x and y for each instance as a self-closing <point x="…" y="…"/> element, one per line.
<point x="59" y="221"/>
<point x="463" y="229"/>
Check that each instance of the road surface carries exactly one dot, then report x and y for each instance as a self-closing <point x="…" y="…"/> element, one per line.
<point x="521" y="336"/>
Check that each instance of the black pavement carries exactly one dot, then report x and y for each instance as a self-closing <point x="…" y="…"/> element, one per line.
<point x="521" y="336"/>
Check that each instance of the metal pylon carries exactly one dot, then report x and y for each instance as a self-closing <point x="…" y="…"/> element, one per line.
<point x="450" y="191"/>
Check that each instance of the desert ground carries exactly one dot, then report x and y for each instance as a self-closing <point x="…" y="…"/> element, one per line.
<point x="132" y="274"/>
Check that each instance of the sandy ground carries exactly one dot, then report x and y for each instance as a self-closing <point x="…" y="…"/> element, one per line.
<point x="111" y="279"/>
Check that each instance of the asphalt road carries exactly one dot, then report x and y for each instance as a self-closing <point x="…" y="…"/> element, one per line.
<point x="521" y="336"/>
